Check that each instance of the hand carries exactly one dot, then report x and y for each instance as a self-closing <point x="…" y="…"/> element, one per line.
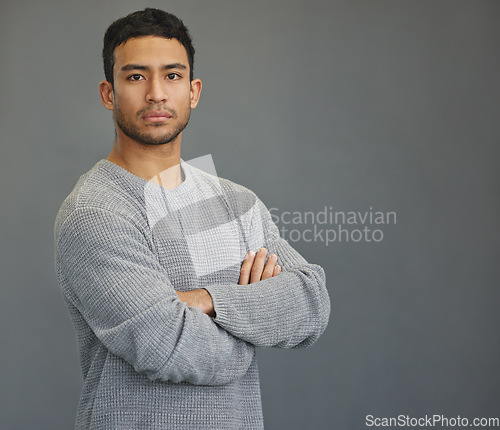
<point x="199" y="298"/>
<point x="253" y="268"/>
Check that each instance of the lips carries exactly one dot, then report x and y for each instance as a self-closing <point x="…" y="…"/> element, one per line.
<point x="157" y="116"/>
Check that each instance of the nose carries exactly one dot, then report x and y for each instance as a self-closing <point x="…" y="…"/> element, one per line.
<point x="156" y="91"/>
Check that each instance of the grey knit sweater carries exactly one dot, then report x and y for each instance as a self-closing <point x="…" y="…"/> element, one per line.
<point x="123" y="245"/>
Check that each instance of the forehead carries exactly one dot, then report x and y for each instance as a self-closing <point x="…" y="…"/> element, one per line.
<point x="151" y="51"/>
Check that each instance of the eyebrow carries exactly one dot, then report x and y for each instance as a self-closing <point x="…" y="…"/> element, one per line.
<point x="129" y="67"/>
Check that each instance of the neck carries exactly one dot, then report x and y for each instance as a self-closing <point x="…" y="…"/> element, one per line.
<point x="156" y="163"/>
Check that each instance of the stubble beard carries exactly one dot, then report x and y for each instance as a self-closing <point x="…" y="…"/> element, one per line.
<point x="147" y="139"/>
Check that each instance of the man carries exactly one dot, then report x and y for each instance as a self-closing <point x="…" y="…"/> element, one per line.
<point x="155" y="257"/>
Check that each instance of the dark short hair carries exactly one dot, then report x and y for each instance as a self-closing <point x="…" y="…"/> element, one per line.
<point x="147" y="22"/>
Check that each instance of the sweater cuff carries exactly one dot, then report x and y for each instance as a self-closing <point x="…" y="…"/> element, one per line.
<point x="220" y="302"/>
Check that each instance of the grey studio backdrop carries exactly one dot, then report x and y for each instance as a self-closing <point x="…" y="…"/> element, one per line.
<point x="353" y="106"/>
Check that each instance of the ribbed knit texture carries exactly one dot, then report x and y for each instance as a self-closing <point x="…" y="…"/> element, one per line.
<point x="123" y="245"/>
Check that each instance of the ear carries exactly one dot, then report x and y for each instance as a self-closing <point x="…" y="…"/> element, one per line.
<point x="195" y="92"/>
<point x="106" y="91"/>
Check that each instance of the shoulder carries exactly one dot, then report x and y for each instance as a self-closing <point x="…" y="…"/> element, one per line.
<point x="101" y="190"/>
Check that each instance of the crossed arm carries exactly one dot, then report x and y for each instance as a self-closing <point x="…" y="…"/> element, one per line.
<point x="113" y="280"/>
<point x="253" y="269"/>
<point x="116" y="288"/>
<point x="286" y="311"/>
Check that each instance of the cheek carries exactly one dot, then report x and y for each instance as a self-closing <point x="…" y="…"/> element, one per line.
<point x="128" y="97"/>
<point x="125" y="105"/>
<point x="182" y="96"/>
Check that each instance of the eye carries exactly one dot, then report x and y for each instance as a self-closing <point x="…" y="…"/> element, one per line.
<point x="173" y="76"/>
<point x="135" y="77"/>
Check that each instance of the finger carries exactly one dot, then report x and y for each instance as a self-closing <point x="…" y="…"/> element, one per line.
<point x="258" y="265"/>
<point x="277" y="270"/>
<point x="270" y="265"/>
<point x="246" y="268"/>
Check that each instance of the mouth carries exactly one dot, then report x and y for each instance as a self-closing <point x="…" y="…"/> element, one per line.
<point x="157" y="116"/>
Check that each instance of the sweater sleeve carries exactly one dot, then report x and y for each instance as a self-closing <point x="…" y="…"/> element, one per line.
<point x="110" y="274"/>
<point x="290" y="310"/>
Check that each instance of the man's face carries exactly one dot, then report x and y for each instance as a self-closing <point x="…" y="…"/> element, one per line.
<point x="152" y="96"/>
